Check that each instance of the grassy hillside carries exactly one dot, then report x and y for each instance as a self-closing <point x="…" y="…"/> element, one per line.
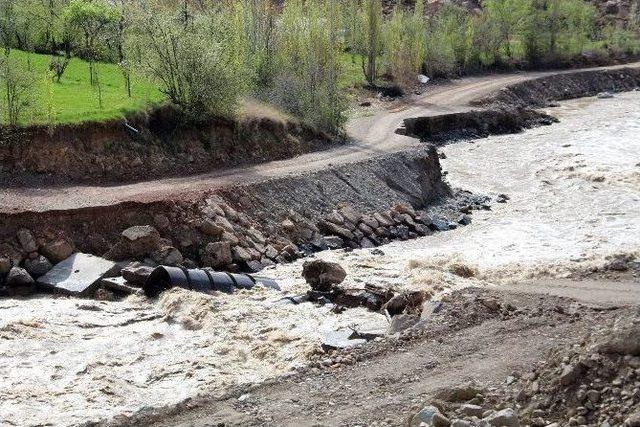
<point x="74" y="99"/>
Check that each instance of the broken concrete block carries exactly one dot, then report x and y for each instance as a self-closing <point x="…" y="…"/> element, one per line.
<point x="78" y="275"/>
<point x="334" y="340"/>
<point x="119" y="284"/>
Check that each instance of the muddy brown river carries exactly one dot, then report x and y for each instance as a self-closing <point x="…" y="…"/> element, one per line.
<point x="574" y="204"/>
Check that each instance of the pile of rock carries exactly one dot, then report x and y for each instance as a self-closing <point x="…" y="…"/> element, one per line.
<point x="325" y="279"/>
<point x="346" y="227"/>
<point x="26" y="258"/>
<point x="594" y="383"/>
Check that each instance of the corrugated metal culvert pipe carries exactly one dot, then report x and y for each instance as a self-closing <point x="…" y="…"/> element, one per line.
<point x="201" y="280"/>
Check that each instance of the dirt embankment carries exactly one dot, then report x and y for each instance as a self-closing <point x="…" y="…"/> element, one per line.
<point x="364" y="204"/>
<point x="474" y="124"/>
<point x="149" y="146"/>
<point x="541" y="92"/>
<point x="512" y="109"/>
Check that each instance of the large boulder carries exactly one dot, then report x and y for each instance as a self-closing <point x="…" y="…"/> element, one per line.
<point x="141" y="240"/>
<point x="623" y="339"/>
<point x="27" y="241"/>
<point x="504" y="418"/>
<point x="167" y="255"/>
<point x="217" y="255"/>
<point x="58" y="250"/>
<point x="323" y="275"/>
<point x="210" y="228"/>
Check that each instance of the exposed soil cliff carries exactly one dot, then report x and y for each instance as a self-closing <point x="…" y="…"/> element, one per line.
<point x="149" y="146"/>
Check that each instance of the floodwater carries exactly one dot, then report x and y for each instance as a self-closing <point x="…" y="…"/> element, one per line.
<point x="574" y="193"/>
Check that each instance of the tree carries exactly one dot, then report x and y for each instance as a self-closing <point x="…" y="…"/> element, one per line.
<point x="199" y="66"/>
<point x="258" y="19"/>
<point x="404" y="40"/>
<point x="308" y="63"/>
<point x="91" y="18"/>
<point x="508" y="16"/>
<point x="7" y="24"/>
<point x="17" y="83"/>
<point x="372" y="18"/>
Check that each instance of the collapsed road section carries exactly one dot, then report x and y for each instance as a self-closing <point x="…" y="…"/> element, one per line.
<point x="246" y="228"/>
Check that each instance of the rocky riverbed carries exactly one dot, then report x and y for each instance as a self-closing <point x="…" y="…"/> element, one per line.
<point x="569" y="205"/>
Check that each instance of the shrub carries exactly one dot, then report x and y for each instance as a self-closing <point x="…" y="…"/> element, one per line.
<point x="198" y="64"/>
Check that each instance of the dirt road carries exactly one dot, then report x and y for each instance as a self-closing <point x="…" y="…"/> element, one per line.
<point x="393" y="379"/>
<point x="372" y="134"/>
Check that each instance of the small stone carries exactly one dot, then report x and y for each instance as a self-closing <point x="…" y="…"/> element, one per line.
<point x="471" y="410"/>
<point x="350" y="214"/>
<point x="504" y="418"/>
<point x="38" y="266"/>
<point x="460" y="423"/>
<point x="425" y="416"/>
<point x="241" y="254"/>
<point x="161" y="221"/>
<point x="167" y="255"/>
<point x="27" y="241"/>
<point x="440" y="420"/>
<point x="593" y="396"/>
<point x="5" y="266"/>
<point x="464" y="220"/>
<point x="19" y="277"/>
<point x="570" y="374"/>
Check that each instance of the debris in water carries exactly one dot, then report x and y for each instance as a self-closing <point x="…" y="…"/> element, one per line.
<point x="80" y="274"/>
<point x="201" y="280"/>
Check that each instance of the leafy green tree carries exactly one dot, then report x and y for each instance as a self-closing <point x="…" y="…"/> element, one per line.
<point x="91" y="18"/>
<point x="200" y="66"/>
<point x="17" y="82"/>
<point x="7" y="24"/>
<point x="372" y="19"/>
<point x="308" y="63"/>
<point x="449" y="39"/>
<point x="508" y="18"/>
<point x="404" y="40"/>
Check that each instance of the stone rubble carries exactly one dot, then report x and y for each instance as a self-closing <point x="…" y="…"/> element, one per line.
<point x="594" y="383"/>
<point x="226" y="239"/>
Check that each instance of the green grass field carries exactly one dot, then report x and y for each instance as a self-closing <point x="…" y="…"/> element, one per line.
<point x="74" y="99"/>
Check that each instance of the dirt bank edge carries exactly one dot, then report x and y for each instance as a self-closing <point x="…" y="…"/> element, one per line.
<point x="150" y="145"/>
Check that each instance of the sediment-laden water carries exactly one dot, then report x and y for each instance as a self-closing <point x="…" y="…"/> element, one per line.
<point x="574" y="193"/>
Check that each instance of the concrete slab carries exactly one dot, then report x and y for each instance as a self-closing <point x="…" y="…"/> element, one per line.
<point x="78" y="275"/>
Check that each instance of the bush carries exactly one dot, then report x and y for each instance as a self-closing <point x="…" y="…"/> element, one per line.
<point x="17" y="83"/>
<point x="199" y="64"/>
<point x="404" y="40"/>
<point x="308" y="64"/>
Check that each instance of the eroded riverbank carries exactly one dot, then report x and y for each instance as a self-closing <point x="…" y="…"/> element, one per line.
<point x="574" y="192"/>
